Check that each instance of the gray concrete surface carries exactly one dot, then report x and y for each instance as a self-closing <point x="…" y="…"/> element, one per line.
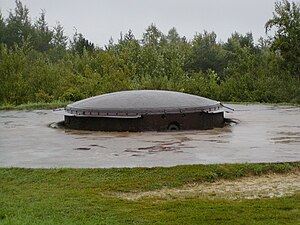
<point x="265" y="134"/>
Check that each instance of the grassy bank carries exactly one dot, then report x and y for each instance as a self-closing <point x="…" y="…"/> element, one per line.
<point x="60" y="104"/>
<point x="35" y="105"/>
<point x="264" y="103"/>
<point x="84" y="196"/>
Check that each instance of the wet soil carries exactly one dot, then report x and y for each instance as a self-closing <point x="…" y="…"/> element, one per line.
<point x="264" y="133"/>
<point x="265" y="186"/>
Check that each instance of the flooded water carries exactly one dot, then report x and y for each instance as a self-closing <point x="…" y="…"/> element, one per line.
<point x="264" y="133"/>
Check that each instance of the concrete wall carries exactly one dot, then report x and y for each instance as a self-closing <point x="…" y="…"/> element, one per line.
<point x="189" y="121"/>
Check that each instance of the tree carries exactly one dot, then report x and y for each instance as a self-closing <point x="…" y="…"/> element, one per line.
<point x="18" y="26"/>
<point x="206" y="54"/>
<point x="243" y="41"/>
<point x="128" y="49"/>
<point x="173" y="36"/>
<point x="153" y="36"/>
<point x="43" y="35"/>
<point x="59" y="39"/>
<point x="2" y="29"/>
<point x="58" y="43"/>
<point x="286" y="41"/>
<point x="80" y="44"/>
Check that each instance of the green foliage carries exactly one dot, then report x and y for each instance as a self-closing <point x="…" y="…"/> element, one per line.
<point x="35" y="105"/>
<point x="286" y="21"/>
<point x="18" y="26"/>
<point x="206" y="54"/>
<point x="12" y="78"/>
<point x="203" y="84"/>
<point x="42" y="35"/>
<point x="81" y="44"/>
<point x="38" y="65"/>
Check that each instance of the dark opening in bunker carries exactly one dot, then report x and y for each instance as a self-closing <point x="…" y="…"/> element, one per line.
<point x="144" y="110"/>
<point x="174" y="126"/>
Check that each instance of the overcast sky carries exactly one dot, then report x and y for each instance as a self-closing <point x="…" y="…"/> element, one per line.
<point x="99" y="20"/>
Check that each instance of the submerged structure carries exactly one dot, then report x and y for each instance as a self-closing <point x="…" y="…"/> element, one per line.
<point x="144" y="110"/>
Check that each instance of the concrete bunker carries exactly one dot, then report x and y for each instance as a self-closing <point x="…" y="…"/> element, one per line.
<point x="144" y="110"/>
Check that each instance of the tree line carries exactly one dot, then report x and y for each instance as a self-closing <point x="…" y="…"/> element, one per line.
<point x="40" y="64"/>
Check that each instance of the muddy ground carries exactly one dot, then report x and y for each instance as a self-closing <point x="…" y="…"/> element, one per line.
<point x="265" y="186"/>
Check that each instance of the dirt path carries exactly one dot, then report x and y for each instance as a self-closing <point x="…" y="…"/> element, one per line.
<point x="265" y="186"/>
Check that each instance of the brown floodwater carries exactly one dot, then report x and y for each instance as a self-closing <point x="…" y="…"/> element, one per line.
<point x="264" y="133"/>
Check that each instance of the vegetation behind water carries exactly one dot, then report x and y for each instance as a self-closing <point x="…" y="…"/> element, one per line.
<point x="40" y="64"/>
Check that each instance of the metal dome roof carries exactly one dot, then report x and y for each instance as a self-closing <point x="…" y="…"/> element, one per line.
<point x="141" y="102"/>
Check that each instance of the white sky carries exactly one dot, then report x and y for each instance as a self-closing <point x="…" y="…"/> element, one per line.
<point x="99" y="20"/>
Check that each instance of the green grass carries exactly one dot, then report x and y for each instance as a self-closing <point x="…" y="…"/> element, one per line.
<point x="264" y="103"/>
<point x="35" y="105"/>
<point x="59" y="104"/>
<point x="79" y="196"/>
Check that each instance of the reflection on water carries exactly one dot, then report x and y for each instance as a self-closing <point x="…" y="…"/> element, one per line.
<point x="256" y="133"/>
